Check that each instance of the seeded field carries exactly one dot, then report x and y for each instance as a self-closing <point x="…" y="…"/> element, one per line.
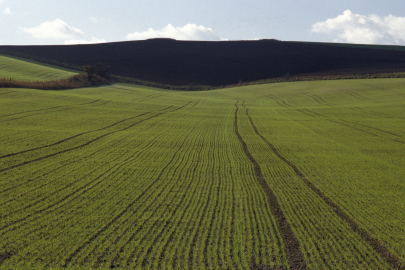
<point x="305" y="175"/>
<point x="18" y="69"/>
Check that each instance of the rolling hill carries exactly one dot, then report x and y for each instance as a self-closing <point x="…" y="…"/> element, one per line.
<point x="219" y="63"/>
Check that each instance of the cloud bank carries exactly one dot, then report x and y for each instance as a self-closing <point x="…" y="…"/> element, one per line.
<point x="59" y="29"/>
<point x="82" y="41"/>
<point x="56" y="29"/>
<point x="187" y="32"/>
<point x="356" y="28"/>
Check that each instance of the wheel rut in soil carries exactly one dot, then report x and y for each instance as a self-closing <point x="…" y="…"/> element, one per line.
<point x="293" y="252"/>
<point x="390" y="258"/>
<point x="87" y="143"/>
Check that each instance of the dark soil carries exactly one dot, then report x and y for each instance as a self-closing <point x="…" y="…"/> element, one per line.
<point x="218" y="63"/>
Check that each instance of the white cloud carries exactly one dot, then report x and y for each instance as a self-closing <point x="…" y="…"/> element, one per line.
<point x="56" y="29"/>
<point x="94" y="19"/>
<point x="7" y="11"/>
<point x="371" y="29"/>
<point x="81" y="41"/>
<point x="187" y="32"/>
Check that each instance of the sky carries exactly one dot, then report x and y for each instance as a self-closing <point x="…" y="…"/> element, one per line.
<point x="50" y="22"/>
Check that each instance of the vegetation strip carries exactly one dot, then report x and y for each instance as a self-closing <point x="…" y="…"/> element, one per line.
<point x="390" y="258"/>
<point x="295" y="257"/>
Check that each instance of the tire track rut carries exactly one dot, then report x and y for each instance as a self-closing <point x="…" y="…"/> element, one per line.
<point x="104" y="228"/>
<point x="47" y="109"/>
<point x="85" y="144"/>
<point x="295" y="258"/>
<point x="390" y="258"/>
<point x="340" y="121"/>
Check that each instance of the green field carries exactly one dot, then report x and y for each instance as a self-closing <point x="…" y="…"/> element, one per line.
<point x="19" y="69"/>
<point x="278" y="176"/>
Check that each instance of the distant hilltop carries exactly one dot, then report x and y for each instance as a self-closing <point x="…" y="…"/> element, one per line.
<point x="176" y="62"/>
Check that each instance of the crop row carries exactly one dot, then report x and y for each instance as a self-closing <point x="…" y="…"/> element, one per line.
<point x="276" y="176"/>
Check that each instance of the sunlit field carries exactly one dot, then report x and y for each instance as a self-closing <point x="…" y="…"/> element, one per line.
<point x="277" y="176"/>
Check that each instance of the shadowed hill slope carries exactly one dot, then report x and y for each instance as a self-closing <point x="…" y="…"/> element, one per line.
<point x="217" y="63"/>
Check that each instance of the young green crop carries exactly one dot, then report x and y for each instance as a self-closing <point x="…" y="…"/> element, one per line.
<point x="136" y="177"/>
<point x="18" y="69"/>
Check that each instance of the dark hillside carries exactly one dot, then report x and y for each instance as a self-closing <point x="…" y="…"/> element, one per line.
<point x="217" y="63"/>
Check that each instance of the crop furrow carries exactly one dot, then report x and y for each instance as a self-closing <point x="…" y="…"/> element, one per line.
<point x="316" y="98"/>
<point x="63" y="200"/>
<point x="350" y="125"/>
<point x="390" y="258"/>
<point x="180" y="161"/>
<point x="25" y="116"/>
<point x="373" y="113"/>
<point x="166" y="244"/>
<point x="140" y="226"/>
<point x="82" y="193"/>
<point x="292" y="248"/>
<point x="232" y="222"/>
<point x="162" y="229"/>
<point x="72" y="161"/>
<point x="95" y="169"/>
<point x="85" y="144"/>
<point x="142" y="99"/>
<point x="77" y="135"/>
<point x="47" y="109"/>
<point x="72" y="137"/>
<point x="202" y="216"/>
<point x="357" y="96"/>
<point x="104" y="228"/>
<point x="312" y="113"/>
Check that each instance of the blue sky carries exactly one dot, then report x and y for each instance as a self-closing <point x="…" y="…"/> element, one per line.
<point x="42" y="22"/>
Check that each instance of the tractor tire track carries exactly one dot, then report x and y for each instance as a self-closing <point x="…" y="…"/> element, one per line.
<point x="114" y="261"/>
<point x="77" y="135"/>
<point x="375" y="113"/>
<point x="295" y="258"/>
<point x="58" y="204"/>
<point x="50" y="108"/>
<point x="85" y="144"/>
<point x="69" y="108"/>
<point x="104" y="228"/>
<point x="350" y="125"/>
<point x="72" y="194"/>
<point x="73" y="160"/>
<point x="357" y="96"/>
<point x="354" y="127"/>
<point x="390" y="258"/>
<point x="70" y="138"/>
<point x="317" y="98"/>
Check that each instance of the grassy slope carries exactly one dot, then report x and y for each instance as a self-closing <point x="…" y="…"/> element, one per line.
<point x="19" y="69"/>
<point x="151" y="178"/>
